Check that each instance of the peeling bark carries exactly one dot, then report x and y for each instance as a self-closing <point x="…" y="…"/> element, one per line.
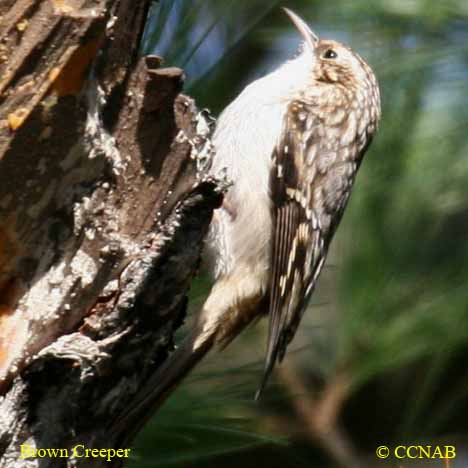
<point x="104" y="203"/>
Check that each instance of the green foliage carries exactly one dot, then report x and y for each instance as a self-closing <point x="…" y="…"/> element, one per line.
<point x="401" y="253"/>
<point x="191" y="429"/>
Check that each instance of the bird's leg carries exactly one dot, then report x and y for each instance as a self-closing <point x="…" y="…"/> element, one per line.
<point x="230" y="208"/>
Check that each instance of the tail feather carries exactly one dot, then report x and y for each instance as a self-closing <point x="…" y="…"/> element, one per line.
<point x="165" y="380"/>
<point x="221" y="319"/>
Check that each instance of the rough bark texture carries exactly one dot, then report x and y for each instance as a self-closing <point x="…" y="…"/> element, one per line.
<point x="104" y="203"/>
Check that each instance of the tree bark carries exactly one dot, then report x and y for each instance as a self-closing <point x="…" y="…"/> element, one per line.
<point x="104" y="204"/>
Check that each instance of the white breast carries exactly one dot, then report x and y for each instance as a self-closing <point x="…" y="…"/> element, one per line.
<point x="246" y="134"/>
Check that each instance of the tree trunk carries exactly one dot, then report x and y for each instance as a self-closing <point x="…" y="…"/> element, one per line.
<point x="104" y="203"/>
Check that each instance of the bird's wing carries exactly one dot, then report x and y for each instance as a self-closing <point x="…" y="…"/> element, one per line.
<point x="310" y="184"/>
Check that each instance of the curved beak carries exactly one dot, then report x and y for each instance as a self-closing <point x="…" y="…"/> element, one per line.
<point x="310" y="37"/>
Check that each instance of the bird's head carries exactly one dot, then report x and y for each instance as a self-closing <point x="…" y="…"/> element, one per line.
<point x="336" y="64"/>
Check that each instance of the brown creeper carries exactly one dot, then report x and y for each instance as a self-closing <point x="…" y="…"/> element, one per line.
<point x="292" y="143"/>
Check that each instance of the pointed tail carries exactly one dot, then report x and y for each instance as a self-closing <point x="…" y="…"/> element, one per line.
<point x="164" y="381"/>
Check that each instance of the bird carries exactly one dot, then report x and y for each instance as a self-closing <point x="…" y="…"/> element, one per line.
<point x="291" y="143"/>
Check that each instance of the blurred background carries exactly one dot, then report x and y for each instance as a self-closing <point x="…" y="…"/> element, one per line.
<point x="380" y="358"/>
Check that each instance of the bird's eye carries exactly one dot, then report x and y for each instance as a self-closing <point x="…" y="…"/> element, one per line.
<point x="330" y="54"/>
